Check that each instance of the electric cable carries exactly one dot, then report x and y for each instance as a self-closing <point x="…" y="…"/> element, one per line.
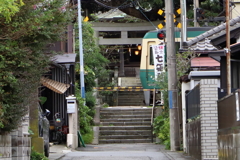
<point x="122" y="6"/>
<point x="125" y="6"/>
<point x="146" y="17"/>
<point x="236" y="11"/>
<point x="232" y="9"/>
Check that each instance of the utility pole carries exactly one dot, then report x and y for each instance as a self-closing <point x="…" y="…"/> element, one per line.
<point x="81" y="50"/>
<point x="227" y="50"/>
<point x="172" y="77"/>
<point x="184" y="22"/>
<point x="196" y="5"/>
<point x="183" y="39"/>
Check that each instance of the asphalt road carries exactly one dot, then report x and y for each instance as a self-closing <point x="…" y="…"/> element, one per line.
<point x="143" y="151"/>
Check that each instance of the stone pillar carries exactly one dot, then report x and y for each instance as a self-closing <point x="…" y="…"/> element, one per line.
<point x="209" y="117"/>
<point x="36" y="142"/>
<point x="72" y="139"/>
<point x="121" y="73"/>
<point x="147" y="97"/>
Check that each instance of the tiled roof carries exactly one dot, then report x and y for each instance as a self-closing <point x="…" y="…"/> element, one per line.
<point x="204" y="62"/>
<point x="202" y="42"/>
<point x="203" y="45"/>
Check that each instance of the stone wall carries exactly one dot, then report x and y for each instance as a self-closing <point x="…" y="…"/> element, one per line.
<point x="17" y="144"/>
<point x="209" y="118"/>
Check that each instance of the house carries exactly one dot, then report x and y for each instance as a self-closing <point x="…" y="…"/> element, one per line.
<point x="58" y="89"/>
<point x="211" y="134"/>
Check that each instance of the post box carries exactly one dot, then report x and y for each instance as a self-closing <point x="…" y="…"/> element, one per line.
<point x="71" y="104"/>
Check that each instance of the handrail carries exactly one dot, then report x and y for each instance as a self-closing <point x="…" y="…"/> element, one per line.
<point x="153" y="107"/>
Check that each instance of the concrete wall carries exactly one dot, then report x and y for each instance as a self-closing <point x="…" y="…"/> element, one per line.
<point x="209" y="118"/>
<point x="185" y="86"/>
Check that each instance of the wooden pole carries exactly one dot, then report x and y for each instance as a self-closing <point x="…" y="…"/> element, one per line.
<point x="228" y="54"/>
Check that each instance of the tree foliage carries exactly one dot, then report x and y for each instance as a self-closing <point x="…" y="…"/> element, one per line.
<point x="94" y="62"/>
<point x="9" y="7"/>
<point x="23" y="54"/>
<point x="184" y="62"/>
<point x="95" y="68"/>
<point x="161" y="124"/>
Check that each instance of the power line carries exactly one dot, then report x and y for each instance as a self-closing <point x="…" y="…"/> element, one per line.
<point x="146" y="17"/>
<point x="122" y="6"/>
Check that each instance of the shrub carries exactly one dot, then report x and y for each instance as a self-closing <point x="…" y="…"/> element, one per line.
<point x="162" y="129"/>
<point x="37" y="156"/>
<point x="87" y="138"/>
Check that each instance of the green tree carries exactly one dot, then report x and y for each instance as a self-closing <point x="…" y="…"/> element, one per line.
<point x="94" y="62"/>
<point x="9" y="7"/>
<point x="95" y="65"/>
<point x="161" y="124"/>
<point x="24" y="55"/>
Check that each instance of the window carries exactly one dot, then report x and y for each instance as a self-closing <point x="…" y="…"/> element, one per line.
<point x="136" y="34"/>
<point x="151" y="56"/>
<point x="110" y="34"/>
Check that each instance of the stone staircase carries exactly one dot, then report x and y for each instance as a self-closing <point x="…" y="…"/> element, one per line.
<point x="129" y="81"/>
<point x="125" y="125"/>
<point x="130" y="98"/>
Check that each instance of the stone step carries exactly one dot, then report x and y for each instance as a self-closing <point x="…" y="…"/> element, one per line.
<point x="126" y="108"/>
<point x="115" y="116"/>
<point x="126" y="132"/>
<point x="125" y="137"/>
<point x="126" y="120"/>
<point x="121" y="115"/>
<point x="134" y="98"/>
<point x="125" y="123"/>
<point x="131" y="97"/>
<point x="133" y="103"/>
<point x="133" y="94"/>
<point x="104" y="141"/>
<point x="116" y="128"/>
<point x="125" y="111"/>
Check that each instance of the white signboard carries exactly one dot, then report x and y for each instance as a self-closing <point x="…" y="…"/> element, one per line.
<point x="158" y="55"/>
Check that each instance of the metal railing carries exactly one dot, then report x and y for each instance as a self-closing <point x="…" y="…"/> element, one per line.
<point x="153" y="108"/>
<point x="193" y="102"/>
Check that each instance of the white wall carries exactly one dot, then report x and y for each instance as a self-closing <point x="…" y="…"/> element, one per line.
<point x="185" y="86"/>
